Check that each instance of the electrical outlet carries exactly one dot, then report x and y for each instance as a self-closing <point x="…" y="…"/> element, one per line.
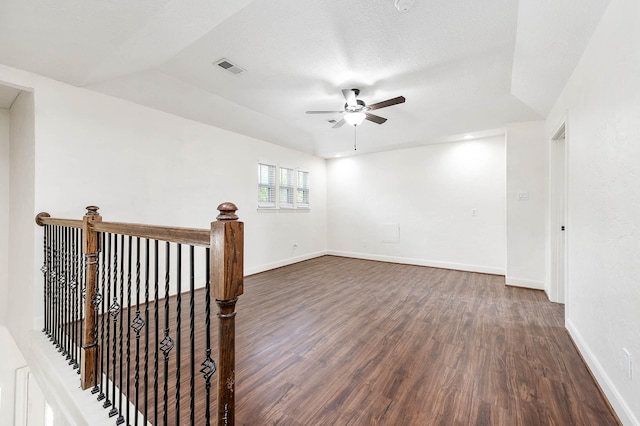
<point x="364" y="243"/>
<point x="474" y="212"/>
<point x="626" y="363"/>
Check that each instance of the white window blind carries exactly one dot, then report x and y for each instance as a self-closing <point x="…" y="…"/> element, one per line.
<point x="266" y="185"/>
<point x="287" y="187"/>
<point x="302" y="198"/>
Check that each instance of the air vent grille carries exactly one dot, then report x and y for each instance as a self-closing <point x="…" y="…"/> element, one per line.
<point x="229" y="66"/>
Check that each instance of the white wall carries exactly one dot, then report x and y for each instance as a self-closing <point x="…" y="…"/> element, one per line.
<point x="526" y="229"/>
<point x="11" y="360"/>
<point x="142" y="165"/>
<point x="602" y="104"/>
<point x="4" y="211"/>
<point x="21" y="300"/>
<point x="429" y="193"/>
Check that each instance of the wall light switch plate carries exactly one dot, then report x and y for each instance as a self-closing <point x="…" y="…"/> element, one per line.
<point x="523" y="196"/>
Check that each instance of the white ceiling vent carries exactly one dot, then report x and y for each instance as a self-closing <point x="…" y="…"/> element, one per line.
<point x="232" y="68"/>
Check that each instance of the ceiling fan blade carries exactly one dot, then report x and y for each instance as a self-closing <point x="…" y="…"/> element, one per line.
<point x="388" y="102"/>
<point x="339" y="124"/>
<point x="375" y="118"/>
<point x="324" y="112"/>
<point x="350" y="97"/>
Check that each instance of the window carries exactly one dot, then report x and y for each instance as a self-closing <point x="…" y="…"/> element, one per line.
<point x="266" y="185"/>
<point x="303" y="189"/>
<point x="282" y="187"/>
<point x="286" y="187"/>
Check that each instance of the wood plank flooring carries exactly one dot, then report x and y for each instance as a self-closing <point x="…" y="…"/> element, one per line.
<point x="336" y="341"/>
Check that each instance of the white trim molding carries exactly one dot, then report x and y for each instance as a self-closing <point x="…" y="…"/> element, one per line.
<point x="420" y="262"/>
<point x="619" y="405"/>
<point x="525" y="283"/>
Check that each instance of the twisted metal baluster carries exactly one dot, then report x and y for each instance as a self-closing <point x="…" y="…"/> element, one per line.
<point x="156" y="286"/>
<point x="76" y="296"/>
<point x="56" y="290"/>
<point x="114" y="310"/>
<point x="120" y="419"/>
<point x="137" y="325"/>
<point x="178" y="327"/>
<point x="208" y="365"/>
<point x="167" y="343"/>
<point x="45" y="274"/>
<point x="96" y="301"/>
<point x="192" y="337"/>
<point x="107" y="353"/>
<point x="65" y="289"/>
<point x="83" y="293"/>
<point x="106" y="277"/>
<point x="146" y="332"/>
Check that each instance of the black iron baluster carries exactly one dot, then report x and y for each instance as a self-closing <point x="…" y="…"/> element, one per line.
<point x="83" y="292"/>
<point x="208" y="365"/>
<point x="114" y="310"/>
<point x="106" y="278"/>
<point x="45" y="274"/>
<point x="128" y="359"/>
<point x="146" y="331"/>
<point x="156" y="291"/>
<point x="56" y="289"/>
<point x="137" y="325"/>
<point x="63" y="292"/>
<point x="192" y="337"/>
<point x="96" y="301"/>
<point x="178" y="326"/>
<point x="167" y="343"/>
<point x="121" y="332"/>
<point x="75" y="295"/>
<point x="67" y="302"/>
<point x="107" y="353"/>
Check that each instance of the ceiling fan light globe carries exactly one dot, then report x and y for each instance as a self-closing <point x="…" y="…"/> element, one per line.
<point x="355" y="118"/>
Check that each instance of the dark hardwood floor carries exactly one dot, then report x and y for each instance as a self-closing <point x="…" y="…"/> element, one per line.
<point x="336" y="341"/>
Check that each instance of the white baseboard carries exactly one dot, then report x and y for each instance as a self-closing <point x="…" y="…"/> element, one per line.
<point x="524" y="282"/>
<point x="420" y="262"/>
<point x="622" y="409"/>
<point x="284" y="262"/>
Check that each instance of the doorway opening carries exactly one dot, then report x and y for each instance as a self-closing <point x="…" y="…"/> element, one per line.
<point x="558" y="216"/>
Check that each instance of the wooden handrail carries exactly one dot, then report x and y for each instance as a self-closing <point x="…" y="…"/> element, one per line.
<point x="44" y="219"/>
<point x="192" y="236"/>
<point x="172" y="234"/>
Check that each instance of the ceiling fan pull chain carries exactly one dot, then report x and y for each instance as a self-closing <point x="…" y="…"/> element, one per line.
<point x="355" y="138"/>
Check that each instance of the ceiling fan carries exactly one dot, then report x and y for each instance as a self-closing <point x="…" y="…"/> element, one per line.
<point x="356" y="111"/>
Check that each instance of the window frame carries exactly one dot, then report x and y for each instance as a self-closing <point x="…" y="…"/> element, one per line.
<point x="288" y="188"/>
<point x="270" y="185"/>
<point x="278" y="185"/>
<point x="304" y="188"/>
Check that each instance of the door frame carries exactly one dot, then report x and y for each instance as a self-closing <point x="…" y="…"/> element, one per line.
<point x="558" y="214"/>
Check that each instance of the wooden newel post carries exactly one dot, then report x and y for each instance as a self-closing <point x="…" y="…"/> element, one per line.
<point x="227" y="274"/>
<point x="90" y="248"/>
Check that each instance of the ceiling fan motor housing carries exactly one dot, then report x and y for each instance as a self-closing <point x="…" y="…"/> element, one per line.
<point x="360" y="107"/>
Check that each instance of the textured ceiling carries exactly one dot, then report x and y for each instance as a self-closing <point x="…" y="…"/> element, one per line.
<point x="463" y="65"/>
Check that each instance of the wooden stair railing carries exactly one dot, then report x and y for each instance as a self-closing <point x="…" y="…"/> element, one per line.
<point x="77" y="311"/>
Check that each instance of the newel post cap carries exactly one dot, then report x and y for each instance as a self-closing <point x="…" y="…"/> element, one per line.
<point x="227" y="211"/>
<point x="40" y="216"/>
<point x="92" y="211"/>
